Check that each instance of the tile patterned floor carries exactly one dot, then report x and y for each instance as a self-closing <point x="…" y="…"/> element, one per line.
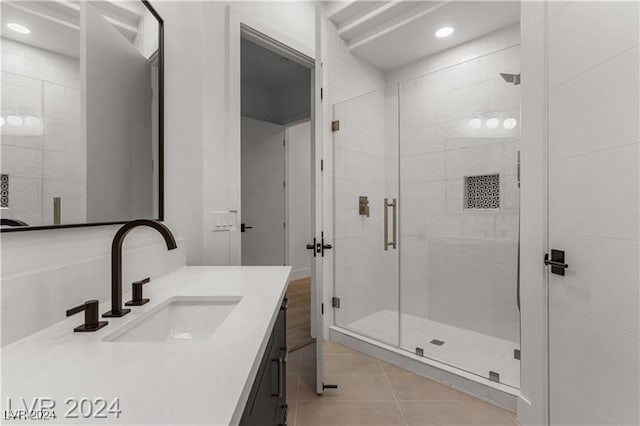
<point x="373" y="392"/>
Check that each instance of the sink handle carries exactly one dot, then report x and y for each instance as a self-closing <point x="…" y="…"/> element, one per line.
<point x="91" y="323"/>
<point x="136" y="289"/>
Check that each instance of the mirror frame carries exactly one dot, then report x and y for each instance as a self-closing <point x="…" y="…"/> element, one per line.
<point x="160" y="217"/>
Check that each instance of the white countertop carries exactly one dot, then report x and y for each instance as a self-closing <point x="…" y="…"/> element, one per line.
<point x="182" y="382"/>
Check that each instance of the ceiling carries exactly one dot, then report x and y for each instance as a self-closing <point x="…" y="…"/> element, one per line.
<point x="55" y="24"/>
<point x="391" y="34"/>
<point x="265" y="68"/>
<point x="273" y="88"/>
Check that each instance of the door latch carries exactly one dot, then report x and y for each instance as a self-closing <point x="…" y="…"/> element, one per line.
<point x="324" y="246"/>
<point x="556" y="262"/>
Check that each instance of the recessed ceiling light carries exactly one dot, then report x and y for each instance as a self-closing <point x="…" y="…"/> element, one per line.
<point x="444" y="32"/>
<point x="18" y="28"/>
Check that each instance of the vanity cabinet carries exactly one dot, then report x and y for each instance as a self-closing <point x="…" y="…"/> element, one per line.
<point x="267" y="403"/>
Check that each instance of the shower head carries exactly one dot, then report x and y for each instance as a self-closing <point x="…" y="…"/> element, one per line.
<point x="511" y="78"/>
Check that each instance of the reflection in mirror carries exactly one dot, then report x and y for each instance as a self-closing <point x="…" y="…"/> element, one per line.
<point x="79" y="114"/>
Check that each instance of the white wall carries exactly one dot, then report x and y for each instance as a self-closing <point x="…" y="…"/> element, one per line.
<point x="292" y="23"/>
<point x="44" y="273"/>
<point x="298" y="139"/>
<point x="593" y="169"/>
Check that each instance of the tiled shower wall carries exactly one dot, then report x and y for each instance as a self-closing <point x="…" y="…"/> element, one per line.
<point x="458" y="264"/>
<point x="50" y="161"/>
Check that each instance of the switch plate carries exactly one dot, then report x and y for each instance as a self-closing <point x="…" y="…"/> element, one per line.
<point x="225" y="220"/>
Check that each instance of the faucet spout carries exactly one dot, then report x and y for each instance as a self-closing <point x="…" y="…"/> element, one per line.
<point x="116" y="260"/>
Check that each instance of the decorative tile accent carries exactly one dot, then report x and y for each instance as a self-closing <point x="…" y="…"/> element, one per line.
<point x="4" y="190"/>
<point x="482" y="192"/>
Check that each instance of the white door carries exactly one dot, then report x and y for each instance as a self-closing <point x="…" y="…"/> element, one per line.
<point x="263" y="193"/>
<point x="593" y="118"/>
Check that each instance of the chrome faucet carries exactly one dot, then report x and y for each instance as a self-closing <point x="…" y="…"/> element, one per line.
<point x="116" y="260"/>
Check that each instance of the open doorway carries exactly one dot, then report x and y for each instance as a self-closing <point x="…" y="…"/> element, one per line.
<point x="276" y="174"/>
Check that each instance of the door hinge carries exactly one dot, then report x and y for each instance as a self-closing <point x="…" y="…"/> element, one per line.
<point x="321" y="93"/>
<point x="284" y="183"/>
<point x="516" y="354"/>
<point x="284" y="142"/>
<point x="321" y="165"/>
<point x="335" y="302"/>
<point x="322" y="308"/>
<point x="284" y="224"/>
<point x="335" y="125"/>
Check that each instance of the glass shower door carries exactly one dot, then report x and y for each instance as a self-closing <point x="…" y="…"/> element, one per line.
<point x="366" y="209"/>
<point x="459" y="210"/>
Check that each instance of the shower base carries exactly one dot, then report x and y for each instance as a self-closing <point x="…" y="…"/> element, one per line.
<point x="463" y="361"/>
<point x="465" y="349"/>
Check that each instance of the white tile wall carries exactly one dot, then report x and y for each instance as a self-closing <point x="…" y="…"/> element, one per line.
<point x="468" y="257"/>
<point x="594" y="176"/>
<point x="586" y="34"/>
<point x="605" y="94"/>
<point x="46" y="281"/>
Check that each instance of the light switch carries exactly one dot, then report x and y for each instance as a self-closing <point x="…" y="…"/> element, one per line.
<point x="224" y="220"/>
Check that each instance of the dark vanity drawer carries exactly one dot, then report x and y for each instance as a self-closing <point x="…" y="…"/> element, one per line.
<point x="267" y="403"/>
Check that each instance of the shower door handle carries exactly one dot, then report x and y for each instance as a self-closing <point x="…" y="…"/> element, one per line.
<point x="394" y="205"/>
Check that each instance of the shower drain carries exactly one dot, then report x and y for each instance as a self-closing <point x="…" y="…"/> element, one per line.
<point x="437" y="342"/>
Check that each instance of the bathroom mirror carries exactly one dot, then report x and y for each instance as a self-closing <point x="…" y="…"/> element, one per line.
<point x="81" y="119"/>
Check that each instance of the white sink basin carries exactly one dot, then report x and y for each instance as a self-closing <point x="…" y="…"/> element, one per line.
<point x="178" y="319"/>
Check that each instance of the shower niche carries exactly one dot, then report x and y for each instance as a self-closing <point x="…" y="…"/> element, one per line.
<point x="482" y="192"/>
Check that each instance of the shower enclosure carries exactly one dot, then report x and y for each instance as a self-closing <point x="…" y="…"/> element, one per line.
<point x="427" y="213"/>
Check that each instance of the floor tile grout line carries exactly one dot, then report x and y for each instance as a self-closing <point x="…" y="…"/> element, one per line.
<point x="404" y="419"/>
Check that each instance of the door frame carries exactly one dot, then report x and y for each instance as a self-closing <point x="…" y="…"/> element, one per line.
<point x="241" y="26"/>
<point x="533" y="401"/>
